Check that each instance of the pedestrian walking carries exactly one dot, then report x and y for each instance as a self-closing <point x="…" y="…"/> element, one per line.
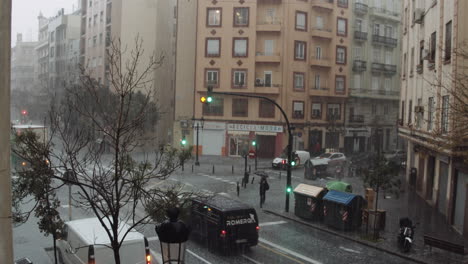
<point x="264" y="186"/>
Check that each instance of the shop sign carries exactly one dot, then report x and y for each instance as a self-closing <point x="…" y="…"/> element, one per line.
<point x="358" y="132"/>
<point x="212" y="125"/>
<point x="256" y="128"/>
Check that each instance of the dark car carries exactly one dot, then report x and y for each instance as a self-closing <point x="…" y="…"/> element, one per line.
<point x="224" y="224"/>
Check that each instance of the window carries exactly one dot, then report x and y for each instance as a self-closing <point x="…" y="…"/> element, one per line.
<point x="343" y="3"/>
<point x="89" y="22"/>
<point x="90" y="3"/>
<point x="267" y="77"/>
<point x="421" y="53"/>
<point x="374" y="109"/>
<point x="340" y="55"/>
<point x="358" y="25"/>
<point x="318" y="53"/>
<point x="340" y="84"/>
<point x="95" y="20"/>
<point x="240" y="47"/>
<point x="239" y="78"/>
<point x="212" y="77"/>
<point x="266" y="109"/>
<point x="388" y="31"/>
<point x="100" y="38"/>
<point x="430" y="113"/>
<point x="316" y="112"/>
<point x="319" y="22"/>
<point x="298" y="109"/>
<point x="448" y="41"/>
<point x="299" y="81"/>
<point x="404" y="65"/>
<point x="241" y="16"/>
<point x="333" y="112"/>
<point x="94" y="41"/>
<point x="385" y="109"/>
<point x="299" y="50"/>
<point x="240" y="107"/>
<point x="412" y="61"/>
<point x="376" y="55"/>
<point x="215" y="108"/>
<point x="317" y="85"/>
<point x="432" y="52"/>
<point x="301" y="21"/>
<point x="419" y="114"/>
<point x="375" y="83"/>
<point x="410" y="110"/>
<point x="342" y="26"/>
<point x="213" y="17"/>
<point x="357" y="81"/>
<point x="101" y="17"/>
<point x="213" y="47"/>
<point x="445" y="113"/>
<point x="402" y="112"/>
<point x="376" y="29"/>
<point x="387" y="84"/>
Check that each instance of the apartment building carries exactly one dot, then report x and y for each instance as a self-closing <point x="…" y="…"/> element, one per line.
<point x="23" y="64"/>
<point x="292" y="52"/>
<point x="372" y="108"/>
<point x="432" y="31"/>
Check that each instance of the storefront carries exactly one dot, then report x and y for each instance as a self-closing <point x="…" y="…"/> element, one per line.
<point x="240" y="137"/>
<point x="211" y="138"/>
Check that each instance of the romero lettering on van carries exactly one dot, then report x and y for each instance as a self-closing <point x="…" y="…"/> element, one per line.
<point x="241" y="221"/>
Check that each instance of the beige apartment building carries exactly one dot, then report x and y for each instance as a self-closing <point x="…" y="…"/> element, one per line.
<point x="294" y="52"/>
<point x="432" y="31"/>
<point x="372" y="108"/>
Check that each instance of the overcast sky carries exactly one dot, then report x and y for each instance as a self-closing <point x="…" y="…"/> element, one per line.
<point x="25" y="12"/>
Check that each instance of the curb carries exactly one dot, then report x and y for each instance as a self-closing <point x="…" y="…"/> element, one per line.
<point x="346" y="237"/>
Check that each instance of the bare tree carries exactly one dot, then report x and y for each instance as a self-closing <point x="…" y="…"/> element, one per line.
<point x="101" y="134"/>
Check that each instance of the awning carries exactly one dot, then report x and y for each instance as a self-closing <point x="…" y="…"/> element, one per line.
<point x="266" y="133"/>
<point x="339" y="197"/>
<point x="309" y="190"/>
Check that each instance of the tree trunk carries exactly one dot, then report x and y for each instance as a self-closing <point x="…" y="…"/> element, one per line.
<point x="376" y="234"/>
<point x="54" y="237"/>
<point x="116" y="250"/>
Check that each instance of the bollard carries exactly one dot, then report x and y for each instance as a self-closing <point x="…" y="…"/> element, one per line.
<point x="213" y="170"/>
<point x="253" y="178"/>
<point x="232" y="169"/>
<point x="249" y="168"/>
<point x="238" y="189"/>
<point x="280" y="175"/>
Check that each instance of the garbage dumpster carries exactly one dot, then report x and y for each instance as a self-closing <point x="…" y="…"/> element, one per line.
<point x="23" y="261"/>
<point x="308" y="201"/>
<point x="314" y="168"/>
<point x="339" y="186"/>
<point x="343" y="210"/>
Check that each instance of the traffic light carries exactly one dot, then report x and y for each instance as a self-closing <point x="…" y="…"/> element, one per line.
<point x="288" y="189"/>
<point x="254" y="143"/>
<point x="209" y="97"/>
<point x="183" y="141"/>
<point x="24" y="112"/>
<point x="293" y="163"/>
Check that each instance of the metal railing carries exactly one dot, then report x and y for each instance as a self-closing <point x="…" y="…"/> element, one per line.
<point x="383" y="40"/>
<point x="374" y="92"/>
<point x="262" y="53"/>
<point x="360" y="35"/>
<point x="361" y="8"/>
<point x="320" y="88"/>
<point x="359" y="65"/>
<point x="356" y="118"/>
<point x="269" y="21"/>
<point x="389" y="69"/>
<point x="377" y="67"/>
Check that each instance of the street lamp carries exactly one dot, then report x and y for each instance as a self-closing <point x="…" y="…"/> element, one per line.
<point x="173" y="235"/>
<point x="197" y="126"/>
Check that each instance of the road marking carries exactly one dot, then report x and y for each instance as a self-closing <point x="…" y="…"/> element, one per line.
<point x="281" y="254"/>
<point x="273" y="223"/>
<point x="251" y="259"/>
<point x="290" y="252"/>
<point x="350" y="250"/>
<point x="198" y="257"/>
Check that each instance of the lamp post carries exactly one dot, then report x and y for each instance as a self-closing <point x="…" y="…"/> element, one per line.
<point x="197" y="126"/>
<point x="173" y="235"/>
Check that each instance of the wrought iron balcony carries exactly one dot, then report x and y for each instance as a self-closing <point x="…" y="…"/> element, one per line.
<point x="386" y="41"/>
<point x="377" y="67"/>
<point x="356" y="118"/>
<point x="360" y="35"/>
<point x="359" y="65"/>
<point x="361" y="8"/>
<point x="389" y="69"/>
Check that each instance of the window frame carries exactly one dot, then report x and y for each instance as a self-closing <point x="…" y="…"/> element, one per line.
<point x="305" y="22"/>
<point x="246" y="107"/>
<point x="263" y="102"/>
<point x="206" y="77"/>
<point x="233" y="71"/>
<point x="295" y="88"/>
<point x="344" y="84"/>
<point x="234" y="24"/>
<point x="296" y="43"/>
<point x="328" y="110"/>
<point x="444" y="114"/>
<point x="234" y="47"/>
<point x="294" y="116"/>
<point x="345" y="55"/>
<point x="448" y="41"/>
<point x="432" y="47"/>
<point x="206" y="47"/>
<point x="430" y="113"/>
<point x="312" y="116"/>
<point x="337" y="26"/>
<point x="344" y="5"/>
<point x="208" y="9"/>
<point x="217" y="102"/>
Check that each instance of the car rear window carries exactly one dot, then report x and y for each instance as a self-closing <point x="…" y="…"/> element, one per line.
<point x="325" y="155"/>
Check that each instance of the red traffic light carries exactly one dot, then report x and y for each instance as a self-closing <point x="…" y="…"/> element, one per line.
<point x="24" y="112"/>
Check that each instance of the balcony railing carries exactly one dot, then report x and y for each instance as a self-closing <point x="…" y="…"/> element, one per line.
<point x="360" y="35"/>
<point x="320" y="88"/>
<point x="390" y="69"/>
<point x="269" y="24"/>
<point x="419" y="68"/>
<point x="377" y="67"/>
<point x="356" y="118"/>
<point x="361" y="8"/>
<point x="322" y="32"/>
<point x="356" y="91"/>
<point x="383" y="40"/>
<point x="359" y="65"/>
<point x="326" y="5"/>
<point x="385" y="12"/>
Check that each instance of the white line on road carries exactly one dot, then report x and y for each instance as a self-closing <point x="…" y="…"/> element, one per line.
<point x="273" y="223"/>
<point x="198" y="257"/>
<point x="251" y="259"/>
<point x="350" y="250"/>
<point x="290" y="252"/>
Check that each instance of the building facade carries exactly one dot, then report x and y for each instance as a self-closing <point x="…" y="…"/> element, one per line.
<point x="432" y="31"/>
<point x="23" y="70"/>
<point x="294" y="52"/>
<point x="372" y="108"/>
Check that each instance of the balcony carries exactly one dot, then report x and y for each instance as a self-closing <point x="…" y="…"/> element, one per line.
<point x="319" y="91"/>
<point x="321" y="62"/>
<point x="360" y="35"/>
<point x="389" y="69"/>
<point x="269" y="25"/>
<point x="356" y="118"/>
<point x="385" y="13"/>
<point x="377" y="67"/>
<point x="325" y="5"/>
<point x="375" y="93"/>
<point x="322" y="33"/>
<point x="386" y="41"/>
<point x="267" y="88"/>
<point x="419" y="68"/>
<point x="267" y="57"/>
<point x="359" y="65"/>
<point x="360" y="8"/>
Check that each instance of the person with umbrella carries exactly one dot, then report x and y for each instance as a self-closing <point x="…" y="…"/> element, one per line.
<point x="264" y="186"/>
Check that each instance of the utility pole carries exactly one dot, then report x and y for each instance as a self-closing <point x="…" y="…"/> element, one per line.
<point x="6" y="241"/>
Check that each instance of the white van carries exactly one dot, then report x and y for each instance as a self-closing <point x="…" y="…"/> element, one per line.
<point x="300" y="156"/>
<point x="86" y="238"/>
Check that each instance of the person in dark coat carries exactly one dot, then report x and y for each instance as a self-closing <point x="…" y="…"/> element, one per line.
<point x="264" y="186"/>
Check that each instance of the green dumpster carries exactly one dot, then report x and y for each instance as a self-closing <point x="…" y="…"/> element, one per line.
<point x="339" y="186"/>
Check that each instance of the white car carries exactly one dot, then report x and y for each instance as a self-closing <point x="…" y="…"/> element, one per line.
<point x="300" y="157"/>
<point x="332" y="157"/>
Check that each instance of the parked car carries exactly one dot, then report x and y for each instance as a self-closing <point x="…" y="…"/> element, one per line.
<point x="332" y="157"/>
<point x="300" y="156"/>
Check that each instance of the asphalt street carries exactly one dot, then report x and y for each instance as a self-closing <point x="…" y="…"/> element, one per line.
<point x="280" y="241"/>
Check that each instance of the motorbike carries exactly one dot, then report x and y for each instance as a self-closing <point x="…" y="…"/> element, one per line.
<point x="405" y="236"/>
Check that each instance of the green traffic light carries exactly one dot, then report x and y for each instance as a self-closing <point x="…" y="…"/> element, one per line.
<point x="254" y="143"/>
<point x="293" y="163"/>
<point x="288" y="189"/>
<point x="183" y="141"/>
<point x="209" y="99"/>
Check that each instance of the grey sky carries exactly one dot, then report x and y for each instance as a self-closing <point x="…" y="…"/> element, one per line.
<point x="25" y="12"/>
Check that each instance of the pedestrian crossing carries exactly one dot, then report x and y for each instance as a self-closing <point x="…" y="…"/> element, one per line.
<point x="217" y="178"/>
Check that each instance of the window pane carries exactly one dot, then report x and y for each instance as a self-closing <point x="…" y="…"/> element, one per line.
<point x="341" y="26"/>
<point x="301" y="21"/>
<point x="213" y="47"/>
<point x="267" y="109"/>
<point x="240" y="47"/>
<point x="214" y="17"/>
<point x="241" y="16"/>
<point x="340" y="83"/>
